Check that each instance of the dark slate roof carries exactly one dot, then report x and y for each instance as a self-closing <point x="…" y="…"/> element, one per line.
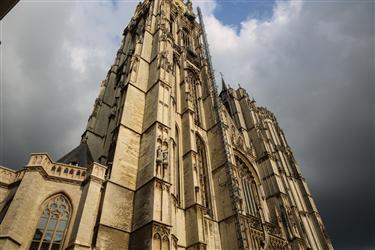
<point x="81" y="155"/>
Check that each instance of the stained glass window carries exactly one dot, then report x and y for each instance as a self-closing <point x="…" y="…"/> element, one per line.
<point x="51" y="228"/>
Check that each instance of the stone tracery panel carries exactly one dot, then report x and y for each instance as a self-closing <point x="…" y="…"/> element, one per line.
<point x="51" y="229"/>
<point x="193" y="95"/>
<point x="202" y="168"/>
<point x="247" y="185"/>
<point x="161" y="234"/>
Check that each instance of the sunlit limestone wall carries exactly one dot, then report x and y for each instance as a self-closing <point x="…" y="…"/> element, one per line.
<point x="153" y="124"/>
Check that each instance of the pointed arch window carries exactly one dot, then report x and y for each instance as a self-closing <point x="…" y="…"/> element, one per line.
<point x="203" y="174"/>
<point x="249" y="189"/>
<point x="177" y="167"/>
<point x="156" y="242"/>
<point x="160" y="242"/>
<point x="194" y="93"/>
<point x="52" y="225"/>
<point x="186" y="38"/>
<point x="197" y="107"/>
<point x="165" y="245"/>
<point x="171" y="27"/>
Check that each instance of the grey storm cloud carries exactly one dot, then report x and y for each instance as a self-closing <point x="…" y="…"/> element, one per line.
<point x="311" y="63"/>
<point x="54" y="56"/>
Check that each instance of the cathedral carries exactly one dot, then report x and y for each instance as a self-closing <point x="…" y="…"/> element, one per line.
<point x="166" y="162"/>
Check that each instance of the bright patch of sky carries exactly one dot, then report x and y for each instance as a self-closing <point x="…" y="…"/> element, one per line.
<point x="114" y="3"/>
<point x="234" y="12"/>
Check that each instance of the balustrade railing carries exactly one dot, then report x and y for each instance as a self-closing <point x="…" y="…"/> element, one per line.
<point x="57" y="169"/>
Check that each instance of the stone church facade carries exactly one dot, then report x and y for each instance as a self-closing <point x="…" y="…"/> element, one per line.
<point x="165" y="161"/>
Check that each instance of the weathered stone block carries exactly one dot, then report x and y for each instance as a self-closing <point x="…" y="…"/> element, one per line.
<point x="117" y="209"/>
<point x="125" y="162"/>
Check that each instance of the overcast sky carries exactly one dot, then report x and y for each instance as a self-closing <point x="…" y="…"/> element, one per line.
<point x="311" y="63"/>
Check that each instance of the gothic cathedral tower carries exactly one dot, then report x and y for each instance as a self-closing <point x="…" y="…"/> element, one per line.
<point x="166" y="162"/>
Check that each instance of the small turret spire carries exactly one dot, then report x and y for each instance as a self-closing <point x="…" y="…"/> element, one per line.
<point x="189" y="5"/>
<point x="224" y="86"/>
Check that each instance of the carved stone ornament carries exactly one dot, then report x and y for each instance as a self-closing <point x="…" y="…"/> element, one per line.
<point x="239" y="142"/>
<point x="255" y="222"/>
<point x="163" y="60"/>
<point x="162" y="151"/>
<point x="132" y="24"/>
<point x="98" y="102"/>
<point x="160" y="229"/>
<point x="259" y="126"/>
<point x="189" y="97"/>
<point x="163" y="32"/>
<point x="272" y="229"/>
<point x="159" y="155"/>
<point x="165" y="159"/>
<point x="113" y="111"/>
<point x="134" y="63"/>
<point x="103" y="84"/>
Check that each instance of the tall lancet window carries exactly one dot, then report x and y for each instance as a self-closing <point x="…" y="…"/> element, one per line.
<point x="203" y="174"/>
<point x="249" y="189"/>
<point x="186" y="38"/>
<point x="177" y="167"/>
<point x="51" y="228"/>
<point x="194" y="95"/>
<point x="196" y="102"/>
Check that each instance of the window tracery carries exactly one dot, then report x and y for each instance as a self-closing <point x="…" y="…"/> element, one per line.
<point x="193" y="95"/>
<point x="185" y="38"/>
<point x="203" y="174"/>
<point x="157" y="242"/>
<point x="161" y="237"/>
<point x="249" y="189"/>
<point x="165" y="245"/>
<point x="177" y="167"/>
<point x="52" y="225"/>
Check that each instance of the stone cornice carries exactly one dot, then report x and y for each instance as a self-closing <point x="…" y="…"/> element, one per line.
<point x="10" y="176"/>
